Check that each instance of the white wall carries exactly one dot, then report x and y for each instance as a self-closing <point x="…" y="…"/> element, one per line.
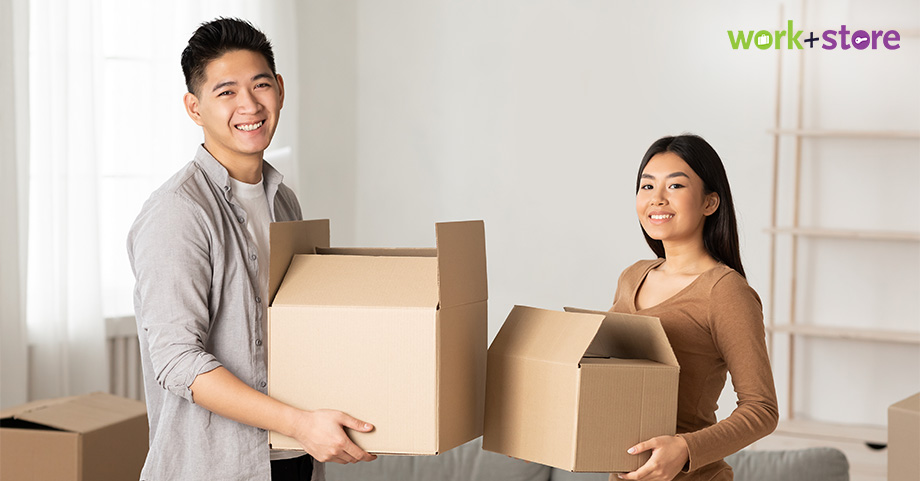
<point x="533" y="115"/>
<point x="327" y="108"/>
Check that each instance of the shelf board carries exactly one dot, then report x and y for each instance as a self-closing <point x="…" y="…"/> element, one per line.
<point x="859" y="334"/>
<point x="849" y="134"/>
<point x="846" y="233"/>
<point x="832" y="431"/>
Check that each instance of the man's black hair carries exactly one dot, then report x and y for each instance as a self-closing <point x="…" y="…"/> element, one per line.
<point x="217" y="37"/>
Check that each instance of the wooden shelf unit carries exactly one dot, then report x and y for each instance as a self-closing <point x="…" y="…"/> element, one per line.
<point x="787" y="324"/>
<point x="848" y="134"/>
<point x="833" y="431"/>
<point x="847" y="233"/>
<point x="851" y="333"/>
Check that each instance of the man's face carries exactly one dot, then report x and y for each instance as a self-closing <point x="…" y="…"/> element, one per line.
<point x="237" y="105"/>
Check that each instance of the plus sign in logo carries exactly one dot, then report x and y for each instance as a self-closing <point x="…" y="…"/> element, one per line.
<point x="811" y="39"/>
<point x="828" y="40"/>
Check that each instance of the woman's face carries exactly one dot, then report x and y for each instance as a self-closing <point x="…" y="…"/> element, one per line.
<point x="672" y="204"/>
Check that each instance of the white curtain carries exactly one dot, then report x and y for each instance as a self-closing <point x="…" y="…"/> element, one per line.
<point x="14" y="136"/>
<point x="65" y="323"/>
<point x="107" y="128"/>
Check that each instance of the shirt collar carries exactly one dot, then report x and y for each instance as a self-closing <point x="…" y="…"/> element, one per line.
<point x="218" y="174"/>
<point x="270" y="175"/>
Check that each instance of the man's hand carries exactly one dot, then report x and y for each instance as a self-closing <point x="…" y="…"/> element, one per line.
<point x="669" y="455"/>
<point x="322" y="434"/>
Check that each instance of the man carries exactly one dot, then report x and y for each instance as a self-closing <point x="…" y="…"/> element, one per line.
<point x="199" y="251"/>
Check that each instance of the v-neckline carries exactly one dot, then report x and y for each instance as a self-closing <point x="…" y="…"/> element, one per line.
<point x="658" y="262"/>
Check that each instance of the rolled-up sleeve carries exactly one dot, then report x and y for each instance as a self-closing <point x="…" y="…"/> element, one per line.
<point x="170" y="251"/>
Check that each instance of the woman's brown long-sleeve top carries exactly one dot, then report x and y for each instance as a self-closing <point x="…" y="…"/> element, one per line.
<point x="715" y="325"/>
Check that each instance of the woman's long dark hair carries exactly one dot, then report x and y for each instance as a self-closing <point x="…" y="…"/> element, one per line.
<point x="720" y="230"/>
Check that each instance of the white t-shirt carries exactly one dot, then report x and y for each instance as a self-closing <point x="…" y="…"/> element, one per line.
<point x="251" y="197"/>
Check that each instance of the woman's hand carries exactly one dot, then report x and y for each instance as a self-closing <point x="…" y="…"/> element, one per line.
<point x="669" y="455"/>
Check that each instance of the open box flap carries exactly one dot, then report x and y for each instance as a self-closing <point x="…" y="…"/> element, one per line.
<point x="81" y="414"/>
<point x="461" y="262"/>
<point x="289" y="238"/>
<point x="630" y="336"/>
<point x="359" y="281"/>
<point x="541" y="334"/>
<point x="16" y="411"/>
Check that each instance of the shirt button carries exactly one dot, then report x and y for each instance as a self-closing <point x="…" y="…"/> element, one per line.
<point x="240" y="219"/>
<point x="259" y="343"/>
<point x="263" y="384"/>
<point x="258" y="299"/>
<point x="226" y="187"/>
<point x="253" y="257"/>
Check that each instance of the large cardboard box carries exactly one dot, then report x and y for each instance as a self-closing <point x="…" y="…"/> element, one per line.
<point x="576" y="389"/>
<point x="904" y="439"/>
<point x="394" y="337"/>
<point x="95" y="437"/>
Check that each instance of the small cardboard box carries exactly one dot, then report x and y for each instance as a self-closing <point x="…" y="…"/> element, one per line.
<point x="904" y="439"/>
<point x="394" y="337"/>
<point x="576" y="389"/>
<point x="95" y="437"/>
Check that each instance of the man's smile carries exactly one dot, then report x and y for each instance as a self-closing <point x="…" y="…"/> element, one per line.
<point x="249" y="127"/>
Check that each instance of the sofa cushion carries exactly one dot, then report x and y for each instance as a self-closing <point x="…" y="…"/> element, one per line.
<point x="811" y="464"/>
<point x="464" y="463"/>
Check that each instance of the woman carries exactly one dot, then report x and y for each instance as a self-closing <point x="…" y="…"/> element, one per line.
<point x="713" y="319"/>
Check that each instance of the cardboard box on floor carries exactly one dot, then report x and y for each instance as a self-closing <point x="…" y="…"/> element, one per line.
<point x="576" y="389"/>
<point x="904" y="439"/>
<point x="95" y="437"/>
<point x="394" y="337"/>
